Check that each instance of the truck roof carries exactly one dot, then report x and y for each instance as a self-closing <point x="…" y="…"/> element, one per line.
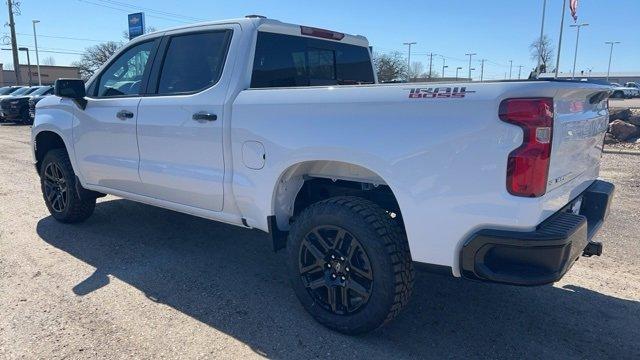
<point x="269" y="25"/>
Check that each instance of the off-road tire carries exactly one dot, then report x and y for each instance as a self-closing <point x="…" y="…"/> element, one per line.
<point x="385" y="244"/>
<point x="77" y="209"/>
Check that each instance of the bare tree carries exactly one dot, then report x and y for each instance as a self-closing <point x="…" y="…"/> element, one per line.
<point x="390" y="67"/>
<point x="49" y="60"/>
<point x="417" y="70"/>
<point x="93" y="57"/>
<point x="543" y="51"/>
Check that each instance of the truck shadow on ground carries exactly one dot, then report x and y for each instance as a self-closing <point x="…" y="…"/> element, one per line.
<point x="230" y="279"/>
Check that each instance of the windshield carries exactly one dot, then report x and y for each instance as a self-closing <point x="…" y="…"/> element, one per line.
<point x="41" y="90"/>
<point x="23" y="91"/>
<point x="7" y="90"/>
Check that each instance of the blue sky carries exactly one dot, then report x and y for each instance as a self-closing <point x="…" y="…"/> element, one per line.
<point x="498" y="30"/>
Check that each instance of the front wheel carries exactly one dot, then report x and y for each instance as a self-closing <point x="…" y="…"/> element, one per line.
<point x="58" y="183"/>
<point x="349" y="264"/>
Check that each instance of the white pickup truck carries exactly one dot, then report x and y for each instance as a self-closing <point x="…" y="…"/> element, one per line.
<point x="283" y="128"/>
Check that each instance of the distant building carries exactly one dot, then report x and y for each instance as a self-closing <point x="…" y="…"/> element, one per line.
<point x="48" y="73"/>
<point x="614" y="77"/>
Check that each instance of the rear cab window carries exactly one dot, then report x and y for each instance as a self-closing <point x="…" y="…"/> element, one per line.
<point x="291" y="61"/>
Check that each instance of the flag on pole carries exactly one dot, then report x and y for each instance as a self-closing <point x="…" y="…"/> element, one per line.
<point x="573" y="6"/>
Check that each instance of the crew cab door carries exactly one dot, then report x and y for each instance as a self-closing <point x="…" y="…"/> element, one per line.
<point x="180" y="120"/>
<point x="104" y="134"/>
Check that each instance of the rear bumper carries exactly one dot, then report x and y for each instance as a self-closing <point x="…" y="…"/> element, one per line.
<point x="544" y="255"/>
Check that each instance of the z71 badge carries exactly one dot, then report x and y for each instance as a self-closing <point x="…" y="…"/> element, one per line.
<point x="439" y="92"/>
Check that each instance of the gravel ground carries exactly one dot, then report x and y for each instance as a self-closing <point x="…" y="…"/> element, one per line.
<point x="136" y="281"/>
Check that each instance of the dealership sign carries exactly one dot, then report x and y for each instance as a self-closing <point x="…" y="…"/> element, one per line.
<point x="136" y="25"/>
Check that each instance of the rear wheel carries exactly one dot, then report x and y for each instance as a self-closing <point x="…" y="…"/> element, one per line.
<point x="350" y="264"/>
<point x="618" y="95"/>
<point x="58" y="183"/>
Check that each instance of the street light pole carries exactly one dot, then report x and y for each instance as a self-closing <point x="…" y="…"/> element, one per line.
<point x="564" y="7"/>
<point x="443" y="65"/>
<point x="482" y="69"/>
<point x="519" y="71"/>
<point x="575" y="54"/>
<point x="610" y="55"/>
<point x="35" y="39"/>
<point x="28" y="63"/>
<point x="457" y="69"/>
<point x="470" y="55"/>
<point x="409" y="59"/>
<point x="510" y="68"/>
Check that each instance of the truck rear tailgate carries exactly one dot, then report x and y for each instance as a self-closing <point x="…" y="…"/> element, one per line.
<point x="580" y="122"/>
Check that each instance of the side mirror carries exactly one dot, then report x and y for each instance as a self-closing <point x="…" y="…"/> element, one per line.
<point x="71" y="89"/>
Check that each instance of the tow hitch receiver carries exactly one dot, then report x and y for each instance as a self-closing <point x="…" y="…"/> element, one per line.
<point x="593" y="248"/>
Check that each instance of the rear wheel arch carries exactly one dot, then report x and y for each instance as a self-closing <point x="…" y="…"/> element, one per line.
<point x="306" y="183"/>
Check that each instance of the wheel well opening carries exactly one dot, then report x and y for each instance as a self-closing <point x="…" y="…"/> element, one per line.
<point x="45" y="142"/>
<point x="317" y="189"/>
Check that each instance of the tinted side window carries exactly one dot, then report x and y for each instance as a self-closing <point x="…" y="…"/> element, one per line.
<point x="124" y="75"/>
<point x="285" y="60"/>
<point x="193" y="62"/>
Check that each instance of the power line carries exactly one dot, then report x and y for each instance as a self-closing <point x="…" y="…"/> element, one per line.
<point x="161" y="12"/>
<point x="128" y="11"/>
<point x="62" y="37"/>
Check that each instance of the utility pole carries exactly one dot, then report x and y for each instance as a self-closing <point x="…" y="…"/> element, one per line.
<point x="610" y="55"/>
<point x="544" y="10"/>
<point x="482" y="69"/>
<point x="409" y="59"/>
<point x="14" y="43"/>
<point x="35" y="39"/>
<point x="443" y="66"/>
<point x="575" y="54"/>
<point x="519" y="71"/>
<point x="430" y="63"/>
<point x="470" y="55"/>
<point x="510" y="68"/>
<point x="564" y="7"/>
<point x="458" y="68"/>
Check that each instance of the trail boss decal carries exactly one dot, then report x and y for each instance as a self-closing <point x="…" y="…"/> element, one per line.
<point x="439" y="92"/>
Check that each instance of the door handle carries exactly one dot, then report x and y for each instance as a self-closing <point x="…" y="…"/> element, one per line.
<point x="204" y="116"/>
<point x="124" y="115"/>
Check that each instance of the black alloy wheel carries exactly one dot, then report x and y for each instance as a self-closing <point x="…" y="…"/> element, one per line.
<point x="335" y="269"/>
<point x="61" y="193"/>
<point x="56" y="189"/>
<point x="349" y="264"/>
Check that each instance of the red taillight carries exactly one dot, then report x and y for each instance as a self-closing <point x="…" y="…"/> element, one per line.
<point x="321" y="33"/>
<point x="528" y="165"/>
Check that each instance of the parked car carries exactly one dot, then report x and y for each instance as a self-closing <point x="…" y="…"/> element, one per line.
<point x="247" y="121"/>
<point x="35" y="97"/>
<point x="4" y="92"/>
<point x="633" y="85"/>
<point x="624" y="92"/>
<point x="15" y="107"/>
<point x="7" y="90"/>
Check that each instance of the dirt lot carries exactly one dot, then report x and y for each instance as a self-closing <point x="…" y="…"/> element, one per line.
<point x="625" y="103"/>
<point x="140" y="282"/>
